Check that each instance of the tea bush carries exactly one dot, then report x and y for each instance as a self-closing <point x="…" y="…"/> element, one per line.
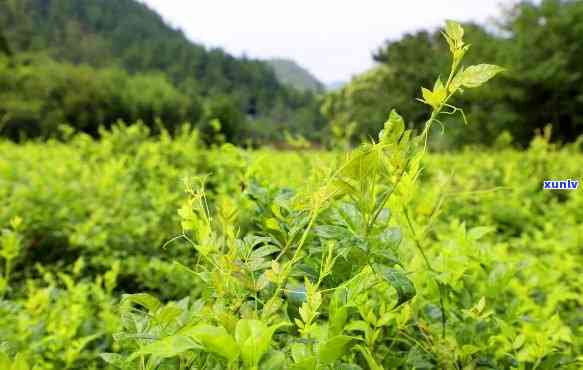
<point x="324" y="282"/>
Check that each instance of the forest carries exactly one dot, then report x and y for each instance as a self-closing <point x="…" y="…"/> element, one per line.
<point x="105" y="51"/>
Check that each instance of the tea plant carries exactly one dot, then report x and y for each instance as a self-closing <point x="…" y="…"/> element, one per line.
<point x="60" y="317"/>
<point x="10" y="250"/>
<point x="323" y="282"/>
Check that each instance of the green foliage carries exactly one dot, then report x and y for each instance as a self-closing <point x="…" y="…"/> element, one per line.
<point x="551" y="84"/>
<point x="127" y="35"/>
<point x="38" y="95"/>
<point x="58" y="321"/>
<point x="4" y="47"/>
<point x="355" y="108"/>
<point x="223" y="117"/>
<point x="537" y="90"/>
<point x="526" y="265"/>
<point x="381" y="258"/>
<point x="326" y="268"/>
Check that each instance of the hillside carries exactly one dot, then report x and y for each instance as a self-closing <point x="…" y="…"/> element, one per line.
<point x="292" y="74"/>
<point x="128" y="34"/>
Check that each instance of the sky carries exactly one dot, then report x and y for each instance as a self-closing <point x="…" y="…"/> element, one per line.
<point x="333" y="39"/>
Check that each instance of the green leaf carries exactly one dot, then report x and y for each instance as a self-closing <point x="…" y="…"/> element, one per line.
<point x="398" y="280"/>
<point x="272" y="224"/>
<point x="332" y="232"/>
<point x="357" y="325"/>
<point x="427" y="96"/>
<point x="309" y="363"/>
<point x="454" y="31"/>
<point x="20" y="363"/>
<point x="142" y="299"/>
<point x="417" y="359"/>
<point x="250" y="330"/>
<point x="4" y="361"/>
<point x="266" y="250"/>
<point x="481" y="305"/>
<point x="333" y="349"/>
<point x="113" y="359"/>
<point x="337" y="311"/>
<point x="371" y="362"/>
<point x="518" y="341"/>
<point x="299" y="351"/>
<point x="475" y="76"/>
<point x="459" y="53"/>
<point x="439" y="89"/>
<point x="436" y="97"/>
<point x="391" y="238"/>
<point x="254" y="339"/>
<point x="479" y="232"/>
<point x="84" y="341"/>
<point x="214" y="339"/>
<point x="167" y="347"/>
<point x="168" y="314"/>
<point x="393" y="128"/>
<point x="275" y="360"/>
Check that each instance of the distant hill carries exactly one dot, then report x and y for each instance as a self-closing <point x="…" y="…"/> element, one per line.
<point x="336" y="85"/>
<point x="292" y="74"/>
<point x="129" y="34"/>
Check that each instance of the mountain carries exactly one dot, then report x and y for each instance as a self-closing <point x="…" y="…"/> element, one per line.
<point x="335" y="85"/>
<point x="292" y="74"/>
<point x="130" y="35"/>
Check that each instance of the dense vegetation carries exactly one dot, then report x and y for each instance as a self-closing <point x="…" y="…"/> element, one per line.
<point x="100" y="49"/>
<point x="381" y="258"/>
<point x="38" y="95"/>
<point x="126" y="35"/>
<point x="91" y="229"/>
<point x="538" y="41"/>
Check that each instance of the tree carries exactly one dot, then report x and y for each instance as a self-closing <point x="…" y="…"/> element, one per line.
<point x="359" y="102"/>
<point x="37" y="94"/>
<point x="547" y="72"/>
<point x="223" y="111"/>
<point x="4" y="47"/>
<point x="129" y="35"/>
<point x="538" y="43"/>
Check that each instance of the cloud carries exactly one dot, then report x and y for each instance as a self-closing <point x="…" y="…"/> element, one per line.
<point x="333" y="39"/>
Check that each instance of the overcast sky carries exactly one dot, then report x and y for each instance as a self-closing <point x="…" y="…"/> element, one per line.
<point x="334" y="39"/>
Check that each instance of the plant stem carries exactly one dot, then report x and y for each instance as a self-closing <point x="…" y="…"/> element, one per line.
<point x="430" y="268"/>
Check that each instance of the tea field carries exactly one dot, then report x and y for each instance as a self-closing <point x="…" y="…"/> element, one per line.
<point x="486" y="267"/>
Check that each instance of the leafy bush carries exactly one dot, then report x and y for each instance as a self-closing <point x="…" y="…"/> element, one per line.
<point x="323" y="282"/>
